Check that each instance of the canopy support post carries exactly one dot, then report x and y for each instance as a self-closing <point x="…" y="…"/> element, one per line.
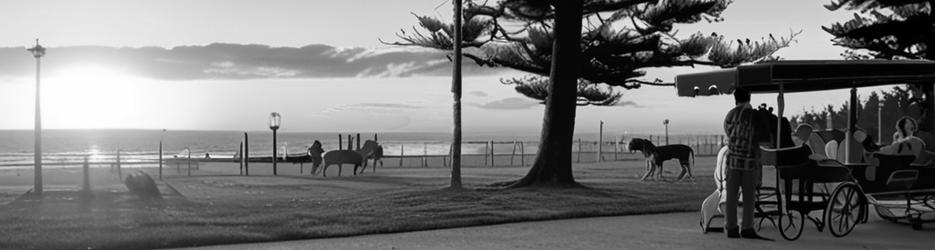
<point x="851" y="126"/>
<point x="780" y="106"/>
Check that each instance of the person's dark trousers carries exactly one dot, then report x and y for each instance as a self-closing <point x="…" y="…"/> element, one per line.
<point x="745" y="180"/>
<point x="737" y="179"/>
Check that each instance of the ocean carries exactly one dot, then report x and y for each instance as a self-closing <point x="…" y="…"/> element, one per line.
<point x="68" y="148"/>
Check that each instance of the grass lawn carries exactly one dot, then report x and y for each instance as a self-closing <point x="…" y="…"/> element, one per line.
<point x="225" y="209"/>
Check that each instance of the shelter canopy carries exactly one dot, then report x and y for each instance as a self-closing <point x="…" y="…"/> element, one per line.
<point x="805" y="75"/>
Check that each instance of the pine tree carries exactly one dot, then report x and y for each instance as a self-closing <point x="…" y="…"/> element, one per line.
<point x="578" y="52"/>
<point x="889" y="29"/>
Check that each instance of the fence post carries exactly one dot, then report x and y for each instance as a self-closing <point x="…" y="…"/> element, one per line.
<point x="616" y="147"/>
<point x="445" y="158"/>
<point x="190" y="161"/>
<point x="425" y="152"/>
<point x="240" y="153"/>
<point x="119" y="172"/>
<point x="486" y="152"/>
<point x="493" y="154"/>
<point x="358" y="142"/>
<point x="340" y="142"/>
<point x="86" y="186"/>
<point x="450" y="154"/>
<point x="522" y="153"/>
<point x="402" y="153"/>
<point x="246" y="155"/>
<point x="513" y="154"/>
<point x="600" y="143"/>
<point x="160" y="160"/>
<point x="579" y="150"/>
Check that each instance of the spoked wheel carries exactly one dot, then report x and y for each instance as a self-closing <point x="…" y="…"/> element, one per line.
<point x="844" y="209"/>
<point x="791" y="224"/>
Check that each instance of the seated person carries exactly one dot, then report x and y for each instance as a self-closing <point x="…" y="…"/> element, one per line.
<point x="906" y="128"/>
<point x="860" y="143"/>
<point x="805" y="135"/>
<point x="802" y="134"/>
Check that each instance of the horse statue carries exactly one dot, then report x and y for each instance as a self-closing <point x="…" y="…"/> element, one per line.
<point x="314" y="153"/>
<point x="655" y="156"/>
<point x="371" y="150"/>
<point x="341" y="157"/>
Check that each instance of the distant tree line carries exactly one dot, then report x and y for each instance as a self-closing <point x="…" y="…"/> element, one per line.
<point x="896" y="102"/>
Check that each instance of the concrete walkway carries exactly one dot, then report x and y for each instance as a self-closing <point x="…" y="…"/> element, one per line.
<point x="657" y="231"/>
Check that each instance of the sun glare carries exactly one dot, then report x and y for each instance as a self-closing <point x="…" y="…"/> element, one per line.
<point x="89" y="97"/>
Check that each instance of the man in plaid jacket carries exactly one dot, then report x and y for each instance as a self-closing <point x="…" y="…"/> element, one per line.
<point x="743" y="165"/>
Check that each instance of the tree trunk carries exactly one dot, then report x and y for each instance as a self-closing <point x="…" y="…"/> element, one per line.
<point x="552" y="166"/>
<point x="456" y="91"/>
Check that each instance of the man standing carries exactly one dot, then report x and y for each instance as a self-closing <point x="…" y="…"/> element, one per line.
<point x="743" y="165"/>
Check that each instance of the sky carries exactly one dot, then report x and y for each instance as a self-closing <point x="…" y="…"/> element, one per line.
<point x="226" y="64"/>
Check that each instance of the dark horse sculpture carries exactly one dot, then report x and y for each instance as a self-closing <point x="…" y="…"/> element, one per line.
<point x="656" y="155"/>
<point x="371" y="150"/>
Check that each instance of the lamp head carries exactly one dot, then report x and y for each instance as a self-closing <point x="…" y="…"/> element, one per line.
<point x="37" y="51"/>
<point x="275" y="120"/>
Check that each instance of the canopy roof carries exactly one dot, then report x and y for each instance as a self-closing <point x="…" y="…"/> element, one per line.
<point x="805" y="75"/>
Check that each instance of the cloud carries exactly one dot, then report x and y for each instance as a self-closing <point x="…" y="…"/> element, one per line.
<point x="238" y="61"/>
<point x="478" y="93"/>
<point x="378" y="108"/>
<point x="511" y="103"/>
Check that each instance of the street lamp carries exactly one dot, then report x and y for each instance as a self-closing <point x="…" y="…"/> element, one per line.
<point x="666" y="123"/>
<point x="38" y="51"/>
<point x="274" y="121"/>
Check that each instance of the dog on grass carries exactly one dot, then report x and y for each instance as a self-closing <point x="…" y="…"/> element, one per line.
<point x="655" y="156"/>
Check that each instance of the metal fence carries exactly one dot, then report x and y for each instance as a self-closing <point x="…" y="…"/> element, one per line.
<point x="492" y="153"/>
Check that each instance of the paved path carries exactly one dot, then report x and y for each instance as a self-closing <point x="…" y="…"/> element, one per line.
<point x="657" y="231"/>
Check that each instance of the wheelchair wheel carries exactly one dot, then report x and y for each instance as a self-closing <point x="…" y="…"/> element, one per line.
<point x="844" y="209"/>
<point x="791" y="224"/>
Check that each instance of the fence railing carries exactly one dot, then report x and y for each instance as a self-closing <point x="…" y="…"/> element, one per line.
<point x="490" y="153"/>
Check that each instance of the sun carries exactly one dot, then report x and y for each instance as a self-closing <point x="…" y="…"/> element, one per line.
<point x="89" y="96"/>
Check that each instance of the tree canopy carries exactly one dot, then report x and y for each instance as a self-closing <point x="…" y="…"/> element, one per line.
<point x="890" y="29"/>
<point x="885" y="29"/>
<point x="620" y="39"/>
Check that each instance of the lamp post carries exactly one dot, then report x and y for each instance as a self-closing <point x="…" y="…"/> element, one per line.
<point x="38" y="51"/>
<point x="600" y="141"/>
<point x="666" y="123"/>
<point x="274" y="122"/>
<point x="880" y="123"/>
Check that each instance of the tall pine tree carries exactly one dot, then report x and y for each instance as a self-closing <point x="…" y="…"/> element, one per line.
<point x="579" y="50"/>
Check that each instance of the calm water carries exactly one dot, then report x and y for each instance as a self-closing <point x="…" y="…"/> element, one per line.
<point x="141" y="146"/>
